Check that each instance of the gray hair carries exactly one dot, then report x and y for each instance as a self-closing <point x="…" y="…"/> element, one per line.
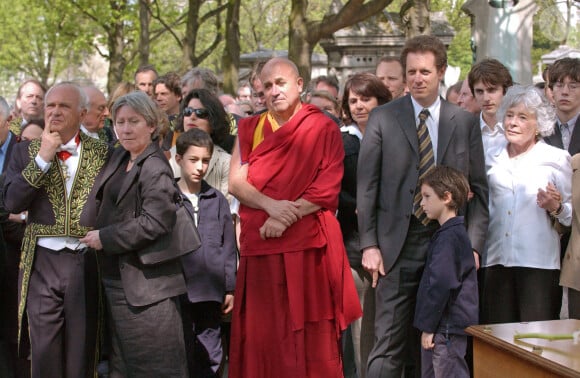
<point x="535" y="102"/>
<point x="141" y="103"/>
<point x="205" y="76"/>
<point x="83" y="98"/>
<point x="4" y="109"/>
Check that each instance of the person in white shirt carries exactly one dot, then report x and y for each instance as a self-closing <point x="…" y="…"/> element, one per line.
<point x="530" y="192"/>
<point x="488" y="81"/>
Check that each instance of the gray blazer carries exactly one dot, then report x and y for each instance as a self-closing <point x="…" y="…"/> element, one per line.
<point x="143" y="285"/>
<point x="388" y="167"/>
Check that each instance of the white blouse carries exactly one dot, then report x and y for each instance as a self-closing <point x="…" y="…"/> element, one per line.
<point x="521" y="233"/>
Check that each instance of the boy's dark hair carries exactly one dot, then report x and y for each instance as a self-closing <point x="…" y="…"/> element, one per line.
<point x="446" y="179"/>
<point x="490" y="72"/>
<point x="563" y="68"/>
<point x="193" y="137"/>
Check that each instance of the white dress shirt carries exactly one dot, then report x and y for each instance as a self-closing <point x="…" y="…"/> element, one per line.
<point x="492" y="139"/>
<point x="521" y="233"/>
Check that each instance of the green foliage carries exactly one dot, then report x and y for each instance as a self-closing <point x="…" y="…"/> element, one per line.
<point x="264" y="24"/>
<point x="50" y="39"/>
<point x="37" y="41"/>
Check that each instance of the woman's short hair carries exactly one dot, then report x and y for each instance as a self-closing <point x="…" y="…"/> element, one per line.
<point x="219" y="121"/>
<point x="365" y="84"/>
<point x="534" y="101"/>
<point x="121" y="89"/>
<point x="142" y="104"/>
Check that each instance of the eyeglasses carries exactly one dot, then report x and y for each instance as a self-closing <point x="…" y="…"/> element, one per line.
<point x="199" y="113"/>
<point x="572" y="85"/>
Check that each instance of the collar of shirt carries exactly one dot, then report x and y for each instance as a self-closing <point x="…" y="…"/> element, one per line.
<point x="498" y="128"/>
<point x="71" y="146"/>
<point x="433" y="110"/>
<point x="89" y="133"/>
<point x="571" y="123"/>
<point x="4" y="145"/>
<point x="352" y="130"/>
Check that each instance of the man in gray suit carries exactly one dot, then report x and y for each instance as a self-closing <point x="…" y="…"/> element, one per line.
<point x="394" y="233"/>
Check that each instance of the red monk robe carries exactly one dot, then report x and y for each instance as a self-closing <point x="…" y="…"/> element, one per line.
<point x="294" y="294"/>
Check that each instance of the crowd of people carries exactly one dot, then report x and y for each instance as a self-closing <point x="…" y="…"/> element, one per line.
<point x="351" y="230"/>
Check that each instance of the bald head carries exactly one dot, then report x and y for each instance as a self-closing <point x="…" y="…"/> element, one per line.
<point x="97" y="110"/>
<point x="282" y="87"/>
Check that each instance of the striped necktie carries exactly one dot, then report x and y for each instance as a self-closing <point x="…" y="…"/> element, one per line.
<point x="426" y="162"/>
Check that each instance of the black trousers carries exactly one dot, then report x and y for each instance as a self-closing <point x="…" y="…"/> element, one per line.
<point x="517" y="294"/>
<point x="396" y="295"/>
<point x="62" y="313"/>
<point x="573" y="304"/>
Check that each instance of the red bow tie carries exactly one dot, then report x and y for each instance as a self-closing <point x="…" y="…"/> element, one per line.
<point x="67" y="151"/>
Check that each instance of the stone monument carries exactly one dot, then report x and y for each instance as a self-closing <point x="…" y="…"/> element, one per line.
<point x="504" y="33"/>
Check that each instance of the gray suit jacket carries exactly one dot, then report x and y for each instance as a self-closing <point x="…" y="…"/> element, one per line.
<point x="388" y="173"/>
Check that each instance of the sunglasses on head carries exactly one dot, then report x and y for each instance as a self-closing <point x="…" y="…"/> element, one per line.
<point x="199" y="113"/>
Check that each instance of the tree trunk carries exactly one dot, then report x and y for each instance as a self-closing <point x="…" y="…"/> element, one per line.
<point x="116" y="42"/>
<point x="299" y="48"/>
<point x="304" y="34"/>
<point x="231" y="57"/>
<point x="191" y="29"/>
<point x="144" y="19"/>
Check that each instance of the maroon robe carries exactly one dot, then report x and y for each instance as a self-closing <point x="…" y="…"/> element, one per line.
<point x="294" y="294"/>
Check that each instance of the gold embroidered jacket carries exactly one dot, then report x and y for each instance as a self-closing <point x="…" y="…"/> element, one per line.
<point x="50" y="211"/>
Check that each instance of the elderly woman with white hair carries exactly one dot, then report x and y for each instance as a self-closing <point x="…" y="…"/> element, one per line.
<point x="530" y="193"/>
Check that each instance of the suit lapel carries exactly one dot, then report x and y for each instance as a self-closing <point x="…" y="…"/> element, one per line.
<point x="111" y="167"/>
<point x="446" y="128"/>
<point x="556" y="138"/>
<point x="406" y="118"/>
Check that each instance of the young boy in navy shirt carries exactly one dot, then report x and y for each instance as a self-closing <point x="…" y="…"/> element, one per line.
<point x="447" y="299"/>
<point x="209" y="271"/>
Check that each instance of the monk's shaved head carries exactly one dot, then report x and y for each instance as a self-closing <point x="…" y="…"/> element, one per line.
<point x="282" y="87"/>
<point x="276" y="62"/>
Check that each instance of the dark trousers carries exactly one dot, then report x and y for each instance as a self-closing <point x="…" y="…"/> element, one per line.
<point x="203" y="340"/>
<point x="62" y="313"/>
<point x="446" y="359"/>
<point x="516" y="294"/>
<point x="573" y="304"/>
<point x="396" y="294"/>
<point x="146" y="341"/>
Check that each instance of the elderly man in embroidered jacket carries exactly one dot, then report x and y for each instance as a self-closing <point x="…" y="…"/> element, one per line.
<point x="52" y="178"/>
